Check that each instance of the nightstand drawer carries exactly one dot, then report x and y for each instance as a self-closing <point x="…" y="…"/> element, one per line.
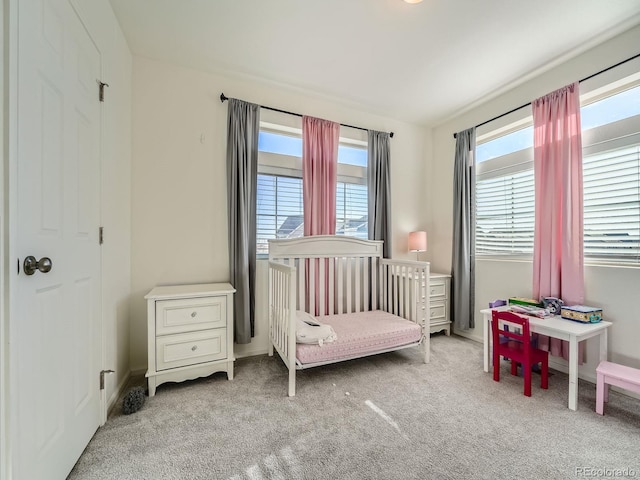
<point x="190" y="348"/>
<point x="437" y="289"/>
<point x="190" y="314"/>
<point x="437" y="311"/>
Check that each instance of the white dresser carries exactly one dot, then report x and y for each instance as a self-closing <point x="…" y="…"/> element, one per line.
<point x="439" y="288"/>
<point x="190" y="332"/>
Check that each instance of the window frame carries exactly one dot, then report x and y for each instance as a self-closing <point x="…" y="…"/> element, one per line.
<point x="290" y="166"/>
<point x="608" y="137"/>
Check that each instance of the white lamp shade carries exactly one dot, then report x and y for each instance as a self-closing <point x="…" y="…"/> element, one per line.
<point x="418" y="242"/>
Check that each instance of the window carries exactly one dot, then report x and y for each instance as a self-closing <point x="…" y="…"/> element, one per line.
<point x="505" y="214"/>
<point x="611" y="182"/>
<point x="511" y="142"/>
<point x="352" y="212"/>
<point x="612" y="204"/>
<point x="505" y="194"/>
<point x="279" y="208"/>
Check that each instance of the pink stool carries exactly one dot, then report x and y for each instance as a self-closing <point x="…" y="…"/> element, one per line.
<point x="610" y="373"/>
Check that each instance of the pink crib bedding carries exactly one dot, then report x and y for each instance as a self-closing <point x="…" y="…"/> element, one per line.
<point x="360" y="334"/>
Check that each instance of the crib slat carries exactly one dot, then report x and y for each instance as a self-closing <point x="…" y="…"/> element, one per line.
<point x="401" y="282"/>
<point x="291" y="336"/>
<point x="408" y="279"/>
<point x="272" y="296"/>
<point x="285" y="317"/>
<point x="311" y="292"/>
<point x="349" y="283"/>
<point x="302" y="304"/>
<point x="357" y="283"/>
<point x="365" y="284"/>
<point x="283" y="343"/>
<point x="394" y="294"/>
<point x="417" y="291"/>
<point x="332" y="272"/>
<point x="276" y="305"/>
<point x="321" y="286"/>
<point x="340" y="273"/>
<point x="392" y="289"/>
<point x="405" y="290"/>
<point x="383" y="274"/>
<point x="279" y="301"/>
<point x="374" y="284"/>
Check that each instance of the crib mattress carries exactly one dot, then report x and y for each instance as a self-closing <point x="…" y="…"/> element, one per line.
<point x="360" y="334"/>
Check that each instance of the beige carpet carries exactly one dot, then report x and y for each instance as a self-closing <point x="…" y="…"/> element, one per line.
<point x="384" y="417"/>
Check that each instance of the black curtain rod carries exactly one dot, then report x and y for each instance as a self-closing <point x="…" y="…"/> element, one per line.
<point x="223" y="97"/>
<point x="455" y="135"/>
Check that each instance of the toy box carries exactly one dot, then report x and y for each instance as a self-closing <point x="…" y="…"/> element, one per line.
<point x="582" y="313"/>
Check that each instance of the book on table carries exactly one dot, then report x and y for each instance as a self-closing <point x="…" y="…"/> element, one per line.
<point x="531" y="310"/>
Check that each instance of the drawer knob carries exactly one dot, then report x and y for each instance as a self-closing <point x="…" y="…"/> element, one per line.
<point x="432" y="291"/>
<point x="433" y="313"/>
<point x="193" y="314"/>
<point x="194" y="348"/>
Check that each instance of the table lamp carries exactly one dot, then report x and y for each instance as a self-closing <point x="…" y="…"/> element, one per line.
<point x="418" y="243"/>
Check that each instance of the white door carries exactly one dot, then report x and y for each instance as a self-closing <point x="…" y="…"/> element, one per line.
<point x="55" y="316"/>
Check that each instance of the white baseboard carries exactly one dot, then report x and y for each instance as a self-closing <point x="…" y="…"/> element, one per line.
<point x="111" y="403"/>
<point x="467" y="335"/>
<point x="252" y="353"/>
<point x="138" y="372"/>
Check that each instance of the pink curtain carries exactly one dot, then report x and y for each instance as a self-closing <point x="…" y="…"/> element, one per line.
<point x="558" y="240"/>
<point x="319" y="180"/>
<point x="319" y="175"/>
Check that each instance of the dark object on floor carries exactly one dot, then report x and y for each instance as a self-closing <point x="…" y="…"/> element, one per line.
<point x="133" y="401"/>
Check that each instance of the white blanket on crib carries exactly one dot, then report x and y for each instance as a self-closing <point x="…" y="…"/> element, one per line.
<point x="310" y="331"/>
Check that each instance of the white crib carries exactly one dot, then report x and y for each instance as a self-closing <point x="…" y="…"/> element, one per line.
<point x="351" y="277"/>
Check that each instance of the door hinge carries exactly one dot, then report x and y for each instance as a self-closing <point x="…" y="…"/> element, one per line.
<point x="101" y="235"/>
<point x="102" y="377"/>
<point x="101" y="92"/>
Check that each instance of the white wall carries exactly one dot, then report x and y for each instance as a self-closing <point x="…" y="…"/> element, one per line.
<point x="4" y="273"/>
<point x="615" y="289"/>
<point x="100" y="21"/>
<point x="179" y="203"/>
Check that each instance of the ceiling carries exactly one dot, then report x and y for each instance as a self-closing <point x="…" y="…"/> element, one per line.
<point x="419" y="63"/>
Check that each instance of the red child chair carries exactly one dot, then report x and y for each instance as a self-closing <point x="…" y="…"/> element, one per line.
<point x="496" y="304"/>
<point x="518" y="349"/>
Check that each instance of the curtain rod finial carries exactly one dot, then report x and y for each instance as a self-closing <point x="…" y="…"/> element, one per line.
<point x="391" y="134"/>
<point x="223" y="97"/>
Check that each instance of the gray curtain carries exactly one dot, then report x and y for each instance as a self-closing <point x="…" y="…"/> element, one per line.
<point x="242" y="177"/>
<point x="379" y="189"/>
<point x="463" y="257"/>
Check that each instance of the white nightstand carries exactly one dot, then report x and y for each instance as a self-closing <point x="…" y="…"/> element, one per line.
<point x="190" y="332"/>
<point x="439" y="295"/>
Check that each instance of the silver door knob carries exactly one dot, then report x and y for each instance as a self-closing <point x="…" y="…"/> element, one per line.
<point x="30" y="265"/>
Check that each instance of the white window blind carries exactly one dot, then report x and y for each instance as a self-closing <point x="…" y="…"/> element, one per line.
<point x="278" y="210"/>
<point x="505" y="212"/>
<point x="280" y="213"/>
<point x="612" y="204"/>
<point x="352" y="210"/>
